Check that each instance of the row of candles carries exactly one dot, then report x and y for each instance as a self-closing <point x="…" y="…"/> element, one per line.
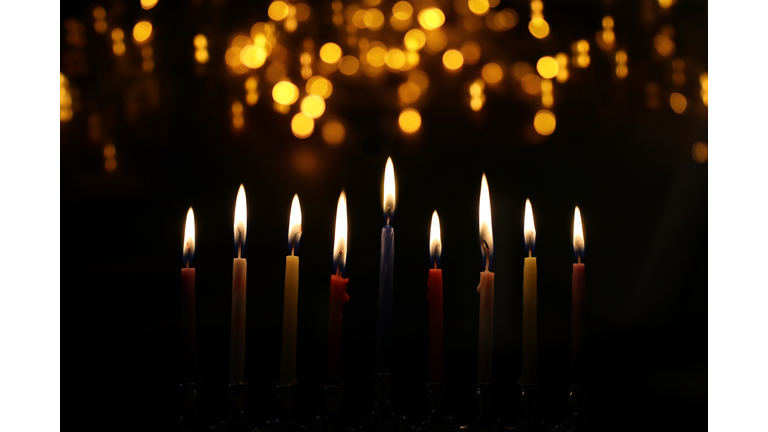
<point x="339" y="296"/>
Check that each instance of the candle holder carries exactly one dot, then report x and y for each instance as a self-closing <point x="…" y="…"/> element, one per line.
<point x="332" y="421"/>
<point x="486" y="420"/>
<point x="238" y="395"/>
<point x="383" y="419"/>
<point x="437" y="420"/>
<point x="529" y="399"/>
<point x="577" y="401"/>
<point x="285" y="420"/>
<point x="189" y="398"/>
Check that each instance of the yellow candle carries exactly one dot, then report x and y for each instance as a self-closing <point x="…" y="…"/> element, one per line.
<point x="291" y="300"/>
<point x="529" y="375"/>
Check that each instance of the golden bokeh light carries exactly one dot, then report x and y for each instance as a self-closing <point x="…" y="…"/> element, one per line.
<point x="505" y="19"/>
<point x="562" y="67"/>
<point x="452" y="59"/>
<point x="275" y="72"/>
<point x="109" y="151"/>
<point x="411" y="60"/>
<point x="402" y="10"/>
<point x="377" y="54"/>
<point x="285" y="93"/>
<point x="253" y="56"/>
<point x="250" y="83"/>
<point x="319" y="86"/>
<point x="409" y="120"/>
<point x="700" y="151"/>
<point x="148" y="4"/>
<point x="409" y="92"/>
<point x="621" y="64"/>
<point x="666" y="4"/>
<point x="200" y="41"/>
<point x="531" y="84"/>
<point x="581" y="53"/>
<point x="373" y="19"/>
<point x="100" y="25"/>
<point x="142" y="31"/>
<point x="414" y="39"/>
<point x="302" y="12"/>
<point x="678" y="71"/>
<point x="278" y="10"/>
<point x="477" y="95"/>
<point x="395" y="59"/>
<point x="400" y="24"/>
<point x="436" y="41"/>
<point x="704" y="81"/>
<point x="521" y="69"/>
<point x="470" y="50"/>
<point x="678" y="103"/>
<point x="664" y="45"/>
<point x="492" y="73"/>
<point x="313" y="106"/>
<point x="546" y="93"/>
<point x="538" y="28"/>
<point x="333" y="132"/>
<point x="330" y="53"/>
<point x="99" y="12"/>
<point x="479" y="7"/>
<point x="302" y="126"/>
<point x="349" y="65"/>
<point x="110" y="165"/>
<point x="547" y="67"/>
<point x="431" y="18"/>
<point x="420" y="78"/>
<point x="237" y="108"/>
<point x="544" y="122"/>
<point x="237" y="114"/>
<point x="372" y="2"/>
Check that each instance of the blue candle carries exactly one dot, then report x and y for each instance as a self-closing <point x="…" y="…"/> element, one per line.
<point x="386" y="270"/>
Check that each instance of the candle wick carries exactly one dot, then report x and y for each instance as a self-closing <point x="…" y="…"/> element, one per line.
<point x="529" y="253"/>
<point x="187" y="263"/>
<point x="293" y="247"/>
<point x="239" y="249"/>
<point x="435" y="264"/>
<point x="579" y="259"/>
<point x="338" y="271"/>
<point x="487" y="250"/>
<point x="389" y="214"/>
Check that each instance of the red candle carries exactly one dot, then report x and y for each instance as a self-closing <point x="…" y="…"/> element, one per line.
<point x="578" y="292"/>
<point x="189" y="333"/>
<point x="339" y="296"/>
<point x="435" y="297"/>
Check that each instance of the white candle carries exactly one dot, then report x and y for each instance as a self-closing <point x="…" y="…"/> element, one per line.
<point x="485" y="288"/>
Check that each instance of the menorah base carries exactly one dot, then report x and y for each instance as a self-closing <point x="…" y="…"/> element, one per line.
<point x="333" y="420"/>
<point x="383" y="419"/>
<point x="237" y="422"/>
<point x="284" y="421"/>
<point x="437" y="420"/>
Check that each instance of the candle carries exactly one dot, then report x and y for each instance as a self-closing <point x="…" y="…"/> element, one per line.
<point x="189" y="334"/>
<point x="239" y="273"/>
<point x="386" y="268"/>
<point x="435" y="297"/>
<point x="339" y="295"/>
<point x="291" y="299"/>
<point x="578" y="293"/>
<point x="529" y="301"/>
<point x="485" y="288"/>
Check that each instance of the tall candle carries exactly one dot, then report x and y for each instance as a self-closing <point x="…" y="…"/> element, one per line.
<point x="529" y="375"/>
<point x="578" y="293"/>
<point x="338" y="296"/>
<point x="291" y="297"/>
<point x="239" y="275"/>
<point x="386" y="268"/>
<point x="189" y="333"/>
<point x="435" y="297"/>
<point x="485" y="288"/>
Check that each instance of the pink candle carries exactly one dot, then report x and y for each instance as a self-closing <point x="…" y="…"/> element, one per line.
<point x="239" y="276"/>
<point x="485" y="288"/>
<point x="578" y="293"/>
<point x="435" y="297"/>
<point x="189" y="334"/>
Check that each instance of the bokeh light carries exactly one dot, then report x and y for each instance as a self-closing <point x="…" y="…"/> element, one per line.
<point x="492" y="73"/>
<point x="237" y="114"/>
<point x="377" y="54"/>
<point x="142" y="31"/>
<point x="409" y="120"/>
<point x="148" y="4"/>
<point x="414" y="39"/>
<point x="678" y="102"/>
<point x="704" y="81"/>
<point x="349" y="65"/>
<point x="700" y="152"/>
<point x="373" y="19"/>
<point x="538" y="28"/>
<point x="302" y="125"/>
<point x="521" y="69"/>
<point x="408" y="92"/>
<point x="621" y="64"/>
<point x="431" y="18"/>
<point x="253" y="56"/>
<point x="285" y="93"/>
<point x="402" y="10"/>
<point x="330" y="53"/>
<point x="319" y="86"/>
<point x="278" y="10"/>
<point x="531" y="84"/>
<point x="470" y="50"/>
<point x="333" y="132"/>
<point x="562" y="67"/>
<point x="395" y="59"/>
<point x="305" y="162"/>
<point x="452" y="59"/>
<point x="544" y="122"/>
<point x="479" y="7"/>
<point x="505" y="20"/>
<point x="663" y="42"/>
<point x="547" y="67"/>
<point x="313" y="106"/>
<point x="420" y="78"/>
<point x="436" y="41"/>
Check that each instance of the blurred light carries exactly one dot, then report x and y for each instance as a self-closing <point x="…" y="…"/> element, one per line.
<point x="547" y="67"/>
<point x="411" y="60"/>
<point x="110" y="165"/>
<point x="100" y="25"/>
<point x="470" y="50"/>
<point x="700" y="152"/>
<point x="531" y="84"/>
<point x="109" y="151"/>
<point x="420" y="78"/>
<point x="275" y="72"/>
<point x="409" y="92"/>
<point x="704" y="81"/>
<point x="436" y="41"/>
<point x="302" y="12"/>
<point x="313" y="106"/>
<point x="505" y="19"/>
<point x="285" y="93"/>
<point x="402" y="10"/>
<point x="237" y="108"/>
<point x="330" y="53"/>
<point x="621" y="64"/>
<point x="606" y="37"/>
<point x="479" y="7"/>
<point x="377" y="54"/>
<point x="476" y="94"/>
<point x="431" y="18"/>
<point x="678" y="102"/>
<point x="305" y="163"/>
<point x="652" y="95"/>
<point x="118" y="47"/>
<point x="414" y="39"/>
<point x="148" y="4"/>
<point x="400" y="24"/>
<point x="65" y="99"/>
<point x="492" y="73"/>
<point x="333" y="132"/>
<point x="665" y="4"/>
<point x="372" y="2"/>
<point x="349" y="65"/>
<point x="472" y="23"/>
<point x="99" y="12"/>
<point x="562" y="67"/>
<point x="544" y="122"/>
<point x="251" y="91"/>
<point x="253" y="56"/>
<point x="278" y="10"/>
<point x="302" y="125"/>
<point x="142" y="31"/>
<point x="538" y="28"/>
<point x="452" y="59"/>
<point x="373" y="19"/>
<point x="200" y="41"/>
<point x="663" y="42"/>
<point x="521" y="69"/>
<point x="581" y="53"/>
<point x="282" y="109"/>
<point x="678" y="71"/>
<point x="546" y="93"/>
<point x="409" y="120"/>
<point x="395" y="59"/>
<point x="357" y="18"/>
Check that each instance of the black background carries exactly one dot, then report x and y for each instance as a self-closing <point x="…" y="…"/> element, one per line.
<point x="629" y="168"/>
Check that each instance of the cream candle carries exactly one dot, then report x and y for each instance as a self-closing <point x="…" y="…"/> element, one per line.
<point x="291" y="297"/>
<point x="485" y="288"/>
<point x="239" y="276"/>
<point x="529" y="375"/>
<point x="189" y="333"/>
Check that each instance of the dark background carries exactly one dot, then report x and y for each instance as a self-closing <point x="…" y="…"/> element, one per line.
<point x="628" y="167"/>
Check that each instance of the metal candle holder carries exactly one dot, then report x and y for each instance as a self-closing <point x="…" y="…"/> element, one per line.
<point x="383" y="419"/>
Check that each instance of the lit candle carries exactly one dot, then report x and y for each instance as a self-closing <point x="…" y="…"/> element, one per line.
<point x="435" y="297"/>
<point x="386" y="268"/>
<point x="239" y="273"/>
<point x="189" y="335"/>
<point x="291" y="299"/>
<point x="485" y="288"/>
<point x="339" y="295"/>
<point x="529" y="301"/>
<point x="578" y="293"/>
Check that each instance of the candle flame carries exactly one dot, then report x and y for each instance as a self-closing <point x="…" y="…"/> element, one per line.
<point x="529" y="228"/>
<point x="294" y="224"/>
<point x="189" y="237"/>
<point x="486" y="228"/>
<point x="578" y="234"/>
<point x="435" y="245"/>
<point x="340" y="238"/>
<point x="389" y="190"/>
<point x="241" y="218"/>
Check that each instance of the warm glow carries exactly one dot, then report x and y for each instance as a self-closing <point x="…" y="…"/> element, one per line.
<point x="578" y="234"/>
<point x="531" y="84"/>
<point x="436" y="41"/>
<point x="278" y="10"/>
<point x="294" y="224"/>
<point x="330" y="53"/>
<point x="678" y="102"/>
<point x="547" y="67"/>
<point x="435" y="245"/>
<point x="700" y="152"/>
<point x="452" y="59"/>
<point x="377" y="55"/>
<point x="188" y="249"/>
<point x="373" y="19"/>
<point x="538" y="28"/>
<point x="313" y="106"/>
<point x="544" y="122"/>
<point x="388" y="204"/>
<point x="241" y="218"/>
<point x="621" y="64"/>
<point x="506" y="19"/>
<point x="409" y="92"/>
<point x="319" y="86"/>
<point x="349" y="65"/>
<point x="492" y="73"/>
<point x="486" y="227"/>
<point x="431" y="18"/>
<point x="253" y="56"/>
<point x="529" y="229"/>
<point x="409" y="120"/>
<point x="395" y="59"/>
<point x="333" y="132"/>
<point x="479" y="7"/>
<point x="420" y="78"/>
<point x="142" y="30"/>
<point x="148" y="4"/>
<point x="470" y="50"/>
<point x="414" y="39"/>
<point x="302" y="125"/>
<point x="285" y="93"/>
<point x="402" y="10"/>
<point x="340" y="237"/>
